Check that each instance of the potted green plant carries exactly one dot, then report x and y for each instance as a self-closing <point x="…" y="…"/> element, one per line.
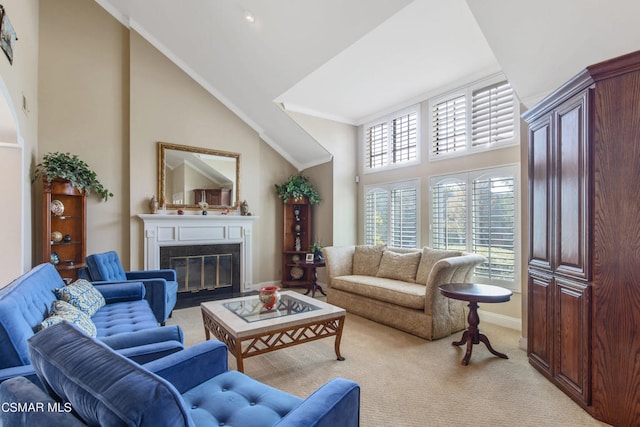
<point x="70" y="167"/>
<point x="297" y="187"/>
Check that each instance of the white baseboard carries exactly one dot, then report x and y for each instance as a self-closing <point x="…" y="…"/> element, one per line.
<point x="500" y="320"/>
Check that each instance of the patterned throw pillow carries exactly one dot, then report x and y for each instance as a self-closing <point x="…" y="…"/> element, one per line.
<point x="366" y="259"/>
<point x="62" y="311"/>
<point x="399" y="266"/>
<point x="83" y="295"/>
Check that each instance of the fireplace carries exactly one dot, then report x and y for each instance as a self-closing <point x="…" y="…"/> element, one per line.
<point x="209" y="251"/>
<point x="204" y="267"/>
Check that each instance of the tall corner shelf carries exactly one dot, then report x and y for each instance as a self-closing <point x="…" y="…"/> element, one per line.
<point x="296" y="242"/>
<point x="64" y="213"/>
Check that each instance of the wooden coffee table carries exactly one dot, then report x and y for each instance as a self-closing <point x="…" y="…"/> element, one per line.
<point x="475" y="293"/>
<point x="249" y="330"/>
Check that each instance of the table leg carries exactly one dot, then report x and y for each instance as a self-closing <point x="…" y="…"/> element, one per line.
<point x="339" y="338"/>
<point x="239" y="360"/>
<point x="314" y="285"/>
<point x="473" y="335"/>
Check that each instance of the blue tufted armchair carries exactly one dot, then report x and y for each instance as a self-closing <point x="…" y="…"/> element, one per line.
<point x="189" y="388"/>
<point x="160" y="285"/>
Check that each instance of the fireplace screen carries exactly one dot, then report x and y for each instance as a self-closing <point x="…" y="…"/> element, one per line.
<point x="202" y="267"/>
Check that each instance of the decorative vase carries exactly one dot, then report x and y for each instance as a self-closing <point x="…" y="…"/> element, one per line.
<point x="153" y="204"/>
<point x="269" y="296"/>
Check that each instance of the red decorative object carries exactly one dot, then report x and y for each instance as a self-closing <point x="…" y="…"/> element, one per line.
<point x="269" y="296"/>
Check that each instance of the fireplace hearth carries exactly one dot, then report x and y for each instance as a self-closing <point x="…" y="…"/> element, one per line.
<point x="204" y="267"/>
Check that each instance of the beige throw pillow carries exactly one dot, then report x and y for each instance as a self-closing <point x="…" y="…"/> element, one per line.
<point x="429" y="258"/>
<point x="366" y="259"/>
<point x="398" y="266"/>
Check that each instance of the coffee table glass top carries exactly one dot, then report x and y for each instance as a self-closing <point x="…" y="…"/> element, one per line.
<point x="252" y="310"/>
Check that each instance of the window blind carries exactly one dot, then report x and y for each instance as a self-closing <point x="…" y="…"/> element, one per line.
<point x="376" y="142"/>
<point x="449" y="125"/>
<point x="376" y="217"/>
<point x="404" y="137"/>
<point x="404" y="219"/>
<point x="449" y="215"/>
<point x="492" y="114"/>
<point x="493" y="205"/>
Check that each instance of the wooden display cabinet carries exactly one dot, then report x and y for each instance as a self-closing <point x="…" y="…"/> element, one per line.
<point x="64" y="227"/>
<point x="296" y="242"/>
<point x="584" y="239"/>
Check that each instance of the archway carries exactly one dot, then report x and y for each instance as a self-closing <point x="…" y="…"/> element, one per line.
<point x="11" y="181"/>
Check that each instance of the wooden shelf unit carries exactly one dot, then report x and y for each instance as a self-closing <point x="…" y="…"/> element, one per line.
<point x="296" y="228"/>
<point x="70" y="223"/>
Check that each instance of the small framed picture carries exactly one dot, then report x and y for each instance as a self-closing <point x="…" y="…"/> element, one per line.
<point x="309" y="258"/>
<point x="7" y="35"/>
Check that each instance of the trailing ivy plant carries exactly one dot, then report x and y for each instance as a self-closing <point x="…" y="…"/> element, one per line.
<point x="70" y="167"/>
<point x="297" y="187"/>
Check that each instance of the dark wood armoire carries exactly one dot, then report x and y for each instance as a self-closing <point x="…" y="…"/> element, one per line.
<point x="584" y="239"/>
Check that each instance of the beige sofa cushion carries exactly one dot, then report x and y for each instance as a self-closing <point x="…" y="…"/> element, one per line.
<point x="410" y="295"/>
<point x="394" y="265"/>
<point x="429" y="258"/>
<point x="366" y="259"/>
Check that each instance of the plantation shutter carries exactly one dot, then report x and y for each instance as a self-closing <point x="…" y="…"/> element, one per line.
<point x="376" y="142"/>
<point x="493" y="115"/>
<point x="404" y="217"/>
<point x="376" y="217"/>
<point x="449" y="215"/>
<point x="404" y="137"/>
<point x="493" y="206"/>
<point x="449" y="125"/>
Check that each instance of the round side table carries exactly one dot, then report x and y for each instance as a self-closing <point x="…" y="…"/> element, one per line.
<point x="474" y="293"/>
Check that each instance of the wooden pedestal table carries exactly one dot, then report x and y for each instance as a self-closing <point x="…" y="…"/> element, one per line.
<point x="313" y="287"/>
<point x="473" y="294"/>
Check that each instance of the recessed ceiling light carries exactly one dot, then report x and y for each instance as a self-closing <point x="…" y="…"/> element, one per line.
<point x="248" y="16"/>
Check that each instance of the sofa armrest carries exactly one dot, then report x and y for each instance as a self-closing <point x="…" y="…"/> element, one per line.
<point x="147" y="345"/>
<point x="118" y="292"/>
<point x="193" y="365"/>
<point x="339" y="261"/>
<point x="448" y="315"/>
<point x="25" y="371"/>
<point x="143" y="337"/>
<point x="337" y="403"/>
<point x="166" y="274"/>
<point x="47" y="411"/>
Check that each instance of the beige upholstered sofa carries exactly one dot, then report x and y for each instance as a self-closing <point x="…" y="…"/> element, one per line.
<point x="399" y="287"/>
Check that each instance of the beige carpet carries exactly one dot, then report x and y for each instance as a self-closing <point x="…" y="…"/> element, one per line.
<point x="408" y="381"/>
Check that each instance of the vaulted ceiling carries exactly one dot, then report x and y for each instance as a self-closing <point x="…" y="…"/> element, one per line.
<point x="350" y="60"/>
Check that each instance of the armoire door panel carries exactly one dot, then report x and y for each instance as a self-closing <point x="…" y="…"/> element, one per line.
<point x="540" y="195"/>
<point x="572" y="358"/>
<point x="572" y="204"/>
<point x="540" y="322"/>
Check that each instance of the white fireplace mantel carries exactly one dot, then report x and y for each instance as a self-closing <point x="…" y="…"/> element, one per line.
<point x="183" y="230"/>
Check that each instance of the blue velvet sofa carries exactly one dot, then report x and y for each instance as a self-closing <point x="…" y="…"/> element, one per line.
<point x="193" y="387"/>
<point x="126" y="323"/>
<point x="161" y="286"/>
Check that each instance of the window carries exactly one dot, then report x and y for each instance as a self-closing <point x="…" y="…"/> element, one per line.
<point x="391" y="214"/>
<point x="392" y="141"/>
<point x="477" y="212"/>
<point x="474" y="118"/>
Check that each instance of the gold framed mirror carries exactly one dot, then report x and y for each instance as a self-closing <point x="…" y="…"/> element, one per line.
<point x="190" y="175"/>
